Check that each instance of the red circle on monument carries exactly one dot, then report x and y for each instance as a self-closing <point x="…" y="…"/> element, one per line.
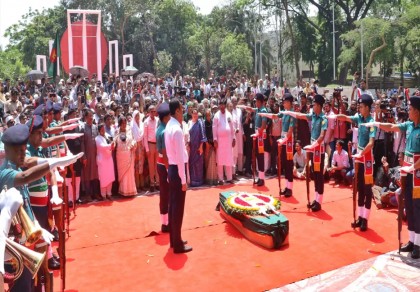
<point x="92" y="51"/>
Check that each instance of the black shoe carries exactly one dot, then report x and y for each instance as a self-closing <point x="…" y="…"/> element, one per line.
<point x="415" y="254"/>
<point x="358" y="223"/>
<point x="53" y="264"/>
<point x="316" y="207"/>
<point x="70" y="204"/>
<point x="408" y="247"/>
<point x="311" y="204"/>
<point x="55" y="234"/>
<point x="230" y="182"/>
<point x="288" y="193"/>
<point x="220" y="183"/>
<point x="283" y="191"/>
<point x="184" y="242"/>
<point x="183" y="249"/>
<point x="81" y="202"/>
<point x="152" y="189"/>
<point x="364" y="225"/>
<point x="164" y="228"/>
<point x="56" y="257"/>
<point x="260" y="183"/>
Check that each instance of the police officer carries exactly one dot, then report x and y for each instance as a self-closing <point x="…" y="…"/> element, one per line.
<point x="412" y="169"/>
<point x="286" y="140"/>
<point x="263" y="144"/>
<point x="319" y="126"/>
<point x="363" y="158"/>
<point x="11" y="175"/>
<point x="162" y="165"/>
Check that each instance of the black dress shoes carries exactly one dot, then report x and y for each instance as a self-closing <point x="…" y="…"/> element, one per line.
<point x="70" y="203"/>
<point x="311" y="204"/>
<point x="415" y="254"/>
<point x="56" y="235"/>
<point x="364" y="225"/>
<point x="184" y="242"/>
<point x="358" y="223"/>
<point x="164" y="228"/>
<point x="53" y="264"/>
<point x="316" y="207"/>
<point x="183" y="249"/>
<point x="260" y="183"/>
<point x="288" y="193"/>
<point x="283" y="192"/>
<point x="408" y="247"/>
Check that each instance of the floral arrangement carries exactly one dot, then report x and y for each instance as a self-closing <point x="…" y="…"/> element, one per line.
<point x="252" y="204"/>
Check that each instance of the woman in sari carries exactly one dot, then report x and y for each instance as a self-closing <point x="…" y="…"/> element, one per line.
<point x="125" y="147"/>
<point x="209" y="152"/>
<point x="197" y="138"/>
<point x="104" y="161"/>
<point x="137" y="129"/>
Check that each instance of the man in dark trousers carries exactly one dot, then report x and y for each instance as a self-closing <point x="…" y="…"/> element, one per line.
<point x="162" y="164"/>
<point x="177" y="160"/>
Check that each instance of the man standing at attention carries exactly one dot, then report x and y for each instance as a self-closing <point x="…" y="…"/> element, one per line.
<point x="177" y="159"/>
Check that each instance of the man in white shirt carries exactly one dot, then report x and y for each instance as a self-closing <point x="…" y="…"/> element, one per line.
<point x="149" y="142"/>
<point x="340" y="163"/>
<point x="177" y="159"/>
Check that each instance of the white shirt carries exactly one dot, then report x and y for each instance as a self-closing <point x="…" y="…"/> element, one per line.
<point x="177" y="153"/>
<point x="150" y="127"/>
<point x="340" y="159"/>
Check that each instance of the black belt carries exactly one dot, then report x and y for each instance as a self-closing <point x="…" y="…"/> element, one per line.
<point x="152" y="142"/>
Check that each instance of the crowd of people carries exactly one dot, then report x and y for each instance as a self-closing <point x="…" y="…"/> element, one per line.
<point x="232" y="126"/>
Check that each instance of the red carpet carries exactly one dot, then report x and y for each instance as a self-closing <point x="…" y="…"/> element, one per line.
<point x="117" y="246"/>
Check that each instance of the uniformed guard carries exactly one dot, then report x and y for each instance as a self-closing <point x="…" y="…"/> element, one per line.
<point x="317" y="148"/>
<point x="363" y="158"/>
<point x="162" y="165"/>
<point x="263" y="144"/>
<point x="11" y="175"/>
<point x="412" y="170"/>
<point x="286" y="140"/>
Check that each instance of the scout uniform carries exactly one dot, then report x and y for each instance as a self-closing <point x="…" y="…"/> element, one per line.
<point x="263" y="144"/>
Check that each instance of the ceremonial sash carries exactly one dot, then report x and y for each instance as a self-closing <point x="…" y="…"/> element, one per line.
<point x="416" y="179"/>
<point x="409" y="160"/>
<point x="318" y="151"/>
<point x="289" y="146"/>
<point x="261" y="142"/>
<point x="368" y="161"/>
<point x="289" y="149"/>
<point x="160" y="159"/>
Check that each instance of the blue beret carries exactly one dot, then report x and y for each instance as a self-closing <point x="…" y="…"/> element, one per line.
<point x="16" y="135"/>
<point x="319" y="99"/>
<point x="49" y="106"/>
<point x="415" y="102"/>
<point x="163" y="110"/>
<point x="260" y="97"/>
<point x="57" y="108"/>
<point x="366" y="99"/>
<point x="40" y="110"/>
<point x="288" y="96"/>
<point x="35" y="123"/>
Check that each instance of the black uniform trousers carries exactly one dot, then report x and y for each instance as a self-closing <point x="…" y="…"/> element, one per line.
<point x="176" y="207"/>
<point x="163" y="189"/>
<point x="364" y="190"/>
<point x="287" y="165"/>
<point x="318" y="175"/>
<point x="412" y="206"/>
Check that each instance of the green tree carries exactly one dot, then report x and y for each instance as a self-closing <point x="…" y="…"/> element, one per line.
<point x="235" y="53"/>
<point x="11" y="64"/>
<point x="162" y="63"/>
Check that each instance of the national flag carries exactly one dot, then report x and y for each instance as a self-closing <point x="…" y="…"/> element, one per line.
<point x="54" y="55"/>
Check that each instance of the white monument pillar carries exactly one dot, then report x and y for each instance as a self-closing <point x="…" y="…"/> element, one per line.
<point x="113" y="57"/>
<point x="41" y="63"/>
